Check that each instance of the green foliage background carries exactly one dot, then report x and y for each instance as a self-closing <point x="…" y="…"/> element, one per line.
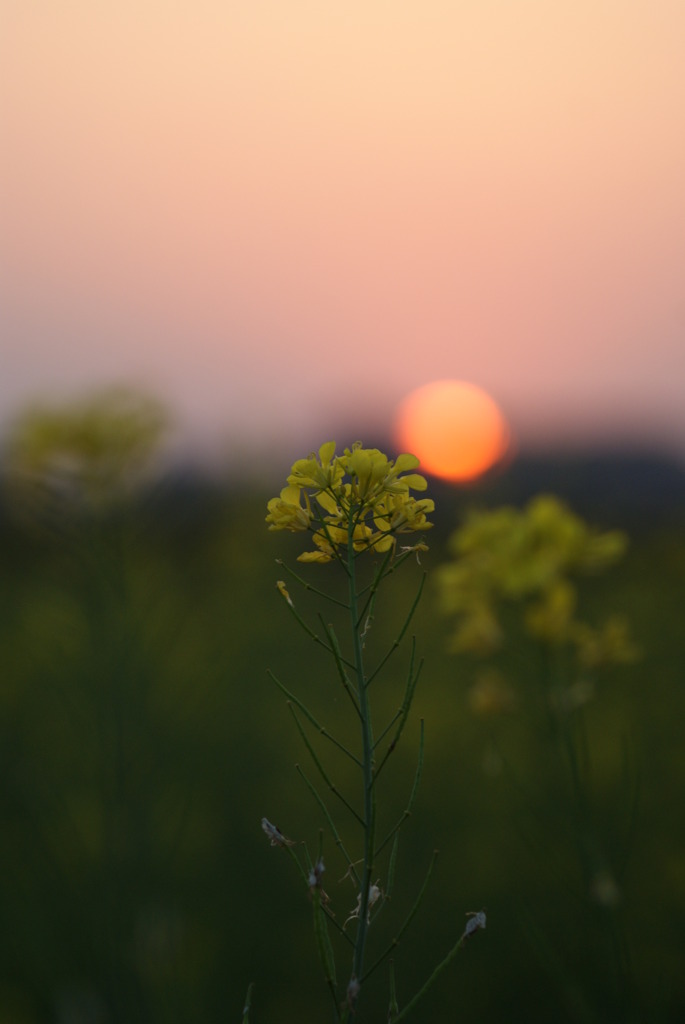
<point x="141" y="742"/>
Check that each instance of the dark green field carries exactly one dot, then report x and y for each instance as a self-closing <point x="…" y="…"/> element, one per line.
<point x="142" y="742"/>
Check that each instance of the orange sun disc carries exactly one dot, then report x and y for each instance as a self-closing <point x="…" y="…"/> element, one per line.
<point x="454" y="428"/>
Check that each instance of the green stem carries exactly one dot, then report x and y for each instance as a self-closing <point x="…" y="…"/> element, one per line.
<point x="367" y="766"/>
<point x="393" y="1008"/>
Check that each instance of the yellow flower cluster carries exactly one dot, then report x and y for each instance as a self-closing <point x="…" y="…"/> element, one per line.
<point x="510" y="555"/>
<point x="360" y="496"/>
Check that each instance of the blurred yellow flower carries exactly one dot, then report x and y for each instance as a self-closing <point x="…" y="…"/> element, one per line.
<point x="611" y="644"/>
<point x="491" y="694"/>
<point x="478" y="630"/>
<point x="92" y="451"/>
<point x="528" y="556"/>
<point x="551" y="617"/>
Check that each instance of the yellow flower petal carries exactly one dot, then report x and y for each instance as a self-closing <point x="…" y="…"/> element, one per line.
<point x="326" y="452"/>
<point x="405" y="462"/>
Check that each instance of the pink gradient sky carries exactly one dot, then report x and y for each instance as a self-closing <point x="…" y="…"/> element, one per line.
<point x="282" y="214"/>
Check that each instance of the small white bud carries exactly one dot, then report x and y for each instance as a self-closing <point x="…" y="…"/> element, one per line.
<point x="274" y="834"/>
<point x="314" y="878"/>
<point x="375" y="892"/>
<point x="283" y="591"/>
<point x="476" y="921"/>
<point x="353" y="990"/>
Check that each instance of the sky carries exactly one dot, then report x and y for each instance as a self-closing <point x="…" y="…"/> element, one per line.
<point x="281" y="216"/>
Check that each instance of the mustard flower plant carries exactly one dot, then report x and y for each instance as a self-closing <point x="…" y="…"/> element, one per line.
<point x="355" y="505"/>
<point x="530" y="561"/>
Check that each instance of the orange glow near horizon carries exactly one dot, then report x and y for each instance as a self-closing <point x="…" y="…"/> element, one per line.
<point x="454" y="428"/>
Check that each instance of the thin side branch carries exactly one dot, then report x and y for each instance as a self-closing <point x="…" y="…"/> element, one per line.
<point x="248" y="1003"/>
<point x="388" y="727"/>
<point x="374" y="585"/>
<point x="307" y="586"/>
<point x="396" y="643"/>
<point x="341" y="663"/>
<point x="331" y="824"/>
<point x="391" y="866"/>
<point x="468" y="931"/>
<point x="412" y="680"/>
<point x="292" y="699"/>
<point x="407" y="921"/>
<point x="322" y="771"/>
<point x="412" y="797"/>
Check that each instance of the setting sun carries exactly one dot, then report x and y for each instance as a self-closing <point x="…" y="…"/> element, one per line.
<point x="454" y="428"/>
